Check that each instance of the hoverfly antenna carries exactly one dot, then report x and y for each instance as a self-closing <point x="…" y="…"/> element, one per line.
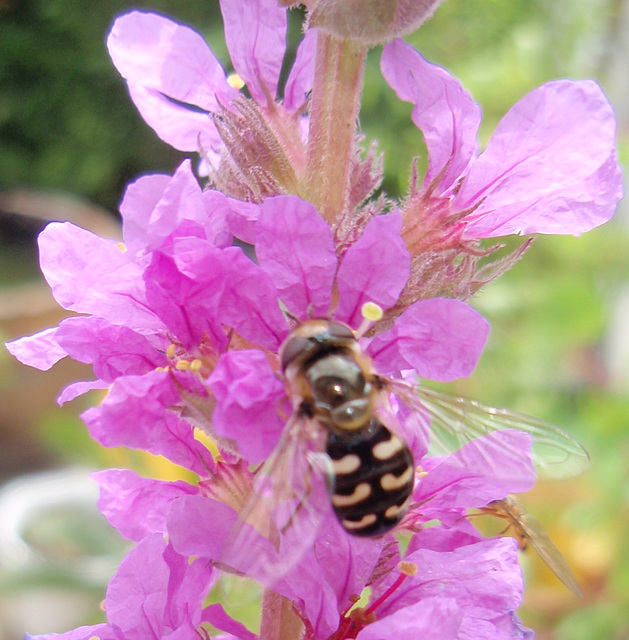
<point x="371" y="313"/>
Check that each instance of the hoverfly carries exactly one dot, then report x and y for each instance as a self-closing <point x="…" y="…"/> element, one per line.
<point x="340" y="445"/>
<point x="527" y="531"/>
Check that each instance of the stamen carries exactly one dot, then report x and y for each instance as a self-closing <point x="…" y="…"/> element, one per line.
<point x="170" y="351"/>
<point x="196" y="365"/>
<point x="371" y="313"/>
<point x="406" y="569"/>
<point x="122" y="246"/>
<point x="182" y="365"/>
<point x="235" y="81"/>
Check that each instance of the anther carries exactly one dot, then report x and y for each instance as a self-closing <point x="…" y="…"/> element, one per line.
<point x="170" y="351"/>
<point x="371" y="312"/>
<point x="196" y="365"/>
<point x="122" y="246"/>
<point x="235" y="81"/>
<point x="182" y="365"/>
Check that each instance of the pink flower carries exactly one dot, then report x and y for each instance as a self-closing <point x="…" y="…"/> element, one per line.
<point x="550" y="166"/>
<point x="176" y="81"/>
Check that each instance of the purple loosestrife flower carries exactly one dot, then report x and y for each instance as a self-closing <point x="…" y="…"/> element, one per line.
<point x="255" y="146"/>
<point x="181" y="339"/>
<point x="550" y="167"/>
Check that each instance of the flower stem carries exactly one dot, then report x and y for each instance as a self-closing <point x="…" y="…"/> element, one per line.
<point x="279" y="620"/>
<point x="338" y="82"/>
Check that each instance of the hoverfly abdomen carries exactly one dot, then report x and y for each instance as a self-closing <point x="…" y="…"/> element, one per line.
<point x="373" y="479"/>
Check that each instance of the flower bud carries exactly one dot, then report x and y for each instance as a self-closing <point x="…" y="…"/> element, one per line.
<point x="370" y="21"/>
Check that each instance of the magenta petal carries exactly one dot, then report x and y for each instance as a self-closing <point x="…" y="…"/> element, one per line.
<point x="445" y="113"/>
<point x="374" y="269"/>
<point x="155" y="206"/>
<point x="183" y="128"/>
<point x="248" y="394"/>
<point x="485" y="469"/>
<point x="137" y="506"/>
<point x="213" y="523"/>
<point x="157" y="53"/>
<point x="89" y="274"/>
<point x="294" y="245"/>
<point x="77" y="389"/>
<point x="136" y="413"/>
<point x="40" y="350"/>
<point x="100" y="631"/>
<point x="255" y="32"/>
<point x="431" y="617"/>
<point x="440" y="339"/>
<point x="217" y="617"/>
<point x="156" y="591"/>
<point x="139" y="201"/>
<point x="112" y="350"/>
<point x="550" y="167"/>
<point x="301" y="75"/>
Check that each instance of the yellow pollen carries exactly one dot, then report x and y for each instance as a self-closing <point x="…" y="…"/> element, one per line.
<point x="235" y="81"/>
<point x="407" y="568"/>
<point x="196" y="365"/>
<point x="170" y="352"/>
<point x="182" y="365"/>
<point x="122" y="246"/>
<point x="371" y="311"/>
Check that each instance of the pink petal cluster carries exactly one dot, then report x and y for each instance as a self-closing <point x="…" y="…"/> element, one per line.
<point x="177" y="292"/>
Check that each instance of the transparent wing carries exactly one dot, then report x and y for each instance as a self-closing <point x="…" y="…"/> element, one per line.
<point x="455" y="420"/>
<point x="526" y="527"/>
<point x="290" y="498"/>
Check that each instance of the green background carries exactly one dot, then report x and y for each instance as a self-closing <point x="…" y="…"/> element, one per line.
<point x="70" y="139"/>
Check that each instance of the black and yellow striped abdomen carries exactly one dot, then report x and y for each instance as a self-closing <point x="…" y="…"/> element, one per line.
<point x="373" y="478"/>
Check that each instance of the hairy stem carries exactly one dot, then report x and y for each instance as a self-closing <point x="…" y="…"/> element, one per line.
<point x="338" y="82"/>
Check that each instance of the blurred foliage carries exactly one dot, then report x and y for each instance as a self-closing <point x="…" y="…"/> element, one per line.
<point x="556" y="350"/>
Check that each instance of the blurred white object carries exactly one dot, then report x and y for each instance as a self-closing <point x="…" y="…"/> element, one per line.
<point x="57" y="552"/>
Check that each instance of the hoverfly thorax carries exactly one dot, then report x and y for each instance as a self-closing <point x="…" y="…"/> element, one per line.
<point x="328" y="374"/>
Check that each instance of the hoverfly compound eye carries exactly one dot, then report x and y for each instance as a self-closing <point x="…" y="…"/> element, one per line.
<point x="340" y="330"/>
<point x="293" y="348"/>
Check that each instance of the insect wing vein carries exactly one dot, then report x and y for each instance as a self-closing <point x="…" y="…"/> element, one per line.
<point x="454" y="421"/>
<point x="281" y="518"/>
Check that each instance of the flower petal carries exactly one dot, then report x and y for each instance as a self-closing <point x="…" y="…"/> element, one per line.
<point x="358" y="281"/>
<point x="301" y="76"/>
<point x="255" y="32"/>
<point x="445" y="113"/>
<point x="431" y="617"/>
<point x="485" y="469"/>
<point x="181" y="127"/>
<point x="112" y="350"/>
<point x="137" y="506"/>
<point x="77" y="389"/>
<point x="157" y="53"/>
<point x="247" y="393"/>
<point x="294" y="245"/>
<point x="89" y="274"/>
<point x="136" y="414"/>
<point x="154" y="206"/>
<point x="550" y="167"/>
<point x="440" y="338"/>
<point x="40" y="350"/>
